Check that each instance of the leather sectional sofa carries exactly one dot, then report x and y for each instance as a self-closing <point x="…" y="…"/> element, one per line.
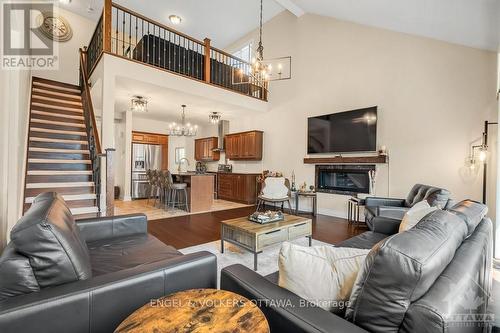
<point x="58" y="275"/>
<point x="435" y="277"/>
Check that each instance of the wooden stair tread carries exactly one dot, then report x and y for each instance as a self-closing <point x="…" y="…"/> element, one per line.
<point x="55" y="99"/>
<point x="55" y="84"/>
<point x="55" y="114"/>
<point x="60" y="184"/>
<point x="60" y="150"/>
<point x="54" y="161"/>
<point x="46" y="92"/>
<point x="57" y="107"/>
<point x="68" y="197"/>
<point x="58" y="173"/>
<point x="49" y="130"/>
<point x="51" y="122"/>
<point x="55" y="140"/>
<point x="84" y="210"/>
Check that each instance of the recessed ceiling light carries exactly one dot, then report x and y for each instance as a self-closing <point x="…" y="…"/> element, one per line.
<point x="65" y="2"/>
<point x="175" y="19"/>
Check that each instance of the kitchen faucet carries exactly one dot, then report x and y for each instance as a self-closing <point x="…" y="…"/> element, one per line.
<point x="180" y="163"/>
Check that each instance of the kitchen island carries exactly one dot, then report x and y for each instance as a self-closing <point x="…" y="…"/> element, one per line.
<point x="200" y="190"/>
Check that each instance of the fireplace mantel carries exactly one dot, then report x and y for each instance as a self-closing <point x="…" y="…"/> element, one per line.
<point x="346" y="159"/>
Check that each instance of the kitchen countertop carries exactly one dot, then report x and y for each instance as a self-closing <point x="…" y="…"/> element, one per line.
<point x="190" y="173"/>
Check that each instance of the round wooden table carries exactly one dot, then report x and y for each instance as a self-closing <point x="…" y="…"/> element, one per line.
<point x="197" y="311"/>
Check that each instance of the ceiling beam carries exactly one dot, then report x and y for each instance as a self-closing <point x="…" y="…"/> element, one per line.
<point x="291" y="7"/>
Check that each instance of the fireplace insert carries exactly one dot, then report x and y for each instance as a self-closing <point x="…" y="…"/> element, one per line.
<point x="343" y="179"/>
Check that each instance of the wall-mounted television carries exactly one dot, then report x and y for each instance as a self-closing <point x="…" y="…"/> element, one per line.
<point x="343" y="132"/>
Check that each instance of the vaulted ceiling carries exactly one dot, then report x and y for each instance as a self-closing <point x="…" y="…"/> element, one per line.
<point x="474" y="23"/>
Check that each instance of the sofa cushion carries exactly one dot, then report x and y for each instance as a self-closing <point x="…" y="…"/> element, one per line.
<point x="323" y="275"/>
<point x="400" y="269"/>
<point x="48" y="235"/>
<point x="115" y="254"/>
<point x="437" y="197"/>
<point x="17" y="277"/>
<point x="471" y="212"/>
<point x="415" y="214"/>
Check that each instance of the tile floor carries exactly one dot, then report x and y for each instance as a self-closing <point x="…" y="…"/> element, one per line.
<point x="157" y="212"/>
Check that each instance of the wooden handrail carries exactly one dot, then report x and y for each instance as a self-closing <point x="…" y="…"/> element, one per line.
<point x="106" y="31"/>
<point x="88" y="96"/>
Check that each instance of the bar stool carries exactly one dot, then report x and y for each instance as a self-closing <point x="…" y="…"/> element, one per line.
<point x="177" y="190"/>
<point x="153" y="185"/>
<point x="165" y="188"/>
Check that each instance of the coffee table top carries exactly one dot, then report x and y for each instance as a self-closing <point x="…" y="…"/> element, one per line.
<point x="197" y="311"/>
<point x="244" y="224"/>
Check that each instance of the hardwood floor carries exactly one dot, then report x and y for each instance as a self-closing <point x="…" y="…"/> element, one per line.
<point x="185" y="231"/>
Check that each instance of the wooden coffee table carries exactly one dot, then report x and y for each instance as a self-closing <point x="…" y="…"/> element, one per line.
<point x="197" y="311"/>
<point x="254" y="237"/>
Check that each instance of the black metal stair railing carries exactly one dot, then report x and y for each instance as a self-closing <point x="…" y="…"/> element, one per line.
<point x="91" y="128"/>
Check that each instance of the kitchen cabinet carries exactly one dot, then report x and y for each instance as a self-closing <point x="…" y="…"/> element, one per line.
<point x="204" y="149"/>
<point x="239" y="187"/>
<point x="244" y="145"/>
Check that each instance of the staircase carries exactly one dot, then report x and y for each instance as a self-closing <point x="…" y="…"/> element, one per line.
<point x="58" y="148"/>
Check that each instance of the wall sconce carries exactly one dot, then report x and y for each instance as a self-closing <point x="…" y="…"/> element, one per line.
<point x="481" y="155"/>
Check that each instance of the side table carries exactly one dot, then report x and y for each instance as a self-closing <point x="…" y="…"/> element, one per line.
<point x="312" y="195"/>
<point x="197" y="310"/>
<point x="353" y="205"/>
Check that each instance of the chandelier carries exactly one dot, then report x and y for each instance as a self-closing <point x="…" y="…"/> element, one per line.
<point x="261" y="70"/>
<point x="183" y="128"/>
<point x="139" y="104"/>
<point x="214" y="117"/>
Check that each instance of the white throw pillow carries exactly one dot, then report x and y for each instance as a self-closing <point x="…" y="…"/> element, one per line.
<point x="323" y="275"/>
<point x="415" y="214"/>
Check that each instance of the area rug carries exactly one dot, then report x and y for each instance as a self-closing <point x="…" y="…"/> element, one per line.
<point x="267" y="260"/>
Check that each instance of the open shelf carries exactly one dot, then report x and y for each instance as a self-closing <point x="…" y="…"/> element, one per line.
<point x="346" y="160"/>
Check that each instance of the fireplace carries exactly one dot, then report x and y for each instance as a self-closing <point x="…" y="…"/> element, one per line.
<point x="343" y="179"/>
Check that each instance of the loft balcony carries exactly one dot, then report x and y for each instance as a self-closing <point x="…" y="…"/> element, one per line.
<point x="131" y="36"/>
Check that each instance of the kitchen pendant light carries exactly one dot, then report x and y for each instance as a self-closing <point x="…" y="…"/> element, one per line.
<point x="183" y="128"/>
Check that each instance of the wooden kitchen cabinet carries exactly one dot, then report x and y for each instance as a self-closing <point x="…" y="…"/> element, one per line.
<point x="244" y="145"/>
<point x="239" y="187"/>
<point x="204" y="149"/>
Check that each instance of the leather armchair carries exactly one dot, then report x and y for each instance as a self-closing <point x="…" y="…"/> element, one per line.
<point x="384" y="215"/>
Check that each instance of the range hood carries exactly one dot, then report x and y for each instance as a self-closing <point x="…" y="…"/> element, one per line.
<point x="222" y="131"/>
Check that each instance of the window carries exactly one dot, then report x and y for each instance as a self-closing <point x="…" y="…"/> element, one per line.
<point x="245" y="53"/>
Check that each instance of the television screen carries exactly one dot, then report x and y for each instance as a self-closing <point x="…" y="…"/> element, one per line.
<point x="343" y="132"/>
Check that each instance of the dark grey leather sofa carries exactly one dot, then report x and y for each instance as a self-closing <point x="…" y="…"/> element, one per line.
<point x="60" y="276"/>
<point x="384" y="215"/>
<point x="435" y="277"/>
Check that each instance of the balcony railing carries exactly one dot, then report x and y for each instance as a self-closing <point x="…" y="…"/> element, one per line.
<point x="132" y="36"/>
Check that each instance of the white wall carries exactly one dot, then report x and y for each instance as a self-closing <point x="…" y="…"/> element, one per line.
<point x="433" y="98"/>
<point x="68" y="56"/>
<point x="15" y="92"/>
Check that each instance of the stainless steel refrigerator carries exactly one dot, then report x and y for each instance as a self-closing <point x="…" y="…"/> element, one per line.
<point x="144" y="157"/>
